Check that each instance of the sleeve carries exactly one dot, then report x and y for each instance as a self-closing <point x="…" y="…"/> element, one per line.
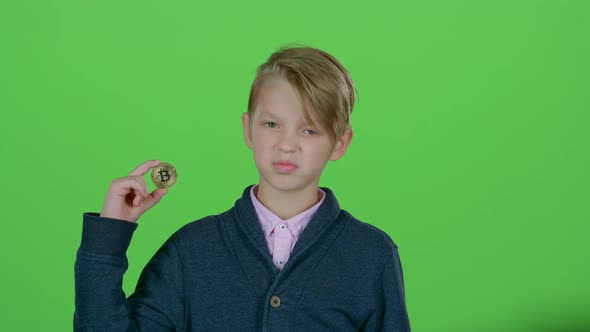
<point x="390" y="314"/>
<point x="157" y="303"/>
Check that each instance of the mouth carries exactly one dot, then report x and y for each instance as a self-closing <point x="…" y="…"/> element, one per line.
<point x="285" y="163"/>
<point x="284" y="166"/>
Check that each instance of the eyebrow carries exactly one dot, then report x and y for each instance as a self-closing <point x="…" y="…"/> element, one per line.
<point x="268" y="114"/>
<point x="272" y="115"/>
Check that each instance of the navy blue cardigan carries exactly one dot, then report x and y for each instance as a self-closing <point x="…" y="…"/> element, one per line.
<point x="217" y="274"/>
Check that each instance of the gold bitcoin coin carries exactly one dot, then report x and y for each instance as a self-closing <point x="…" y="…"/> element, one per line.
<point x="164" y="175"/>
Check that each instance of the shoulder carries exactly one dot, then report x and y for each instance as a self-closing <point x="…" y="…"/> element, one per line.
<point x="370" y="236"/>
<point x="200" y="234"/>
<point x="362" y="246"/>
<point x="199" y="227"/>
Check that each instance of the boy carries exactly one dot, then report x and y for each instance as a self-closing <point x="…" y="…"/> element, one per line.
<point x="285" y="257"/>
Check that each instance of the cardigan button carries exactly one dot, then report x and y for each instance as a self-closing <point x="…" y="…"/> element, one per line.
<point x="275" y="302"/>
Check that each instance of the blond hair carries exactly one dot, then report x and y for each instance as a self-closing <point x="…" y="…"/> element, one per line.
<point x="322" y="82"/>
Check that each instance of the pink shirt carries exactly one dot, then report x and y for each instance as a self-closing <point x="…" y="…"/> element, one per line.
<point x="281" y="235"/>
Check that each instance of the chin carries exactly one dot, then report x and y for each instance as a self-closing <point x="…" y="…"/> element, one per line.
<point x="286" y="182"/>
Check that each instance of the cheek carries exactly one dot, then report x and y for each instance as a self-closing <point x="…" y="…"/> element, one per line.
<point x="261" y="149"/>
<point x="259" y="136"/>
<point x="318" y="156"/>
<point x="263" y="140"/>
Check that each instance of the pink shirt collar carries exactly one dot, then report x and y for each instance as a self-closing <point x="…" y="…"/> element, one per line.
<point x="268" y="220"/>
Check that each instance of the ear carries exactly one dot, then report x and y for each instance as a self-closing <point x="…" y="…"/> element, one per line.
<point x="341" y="144"/>
<point x="246" y="129"/>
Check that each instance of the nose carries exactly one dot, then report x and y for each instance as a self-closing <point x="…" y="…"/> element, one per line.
<point x="287" y="141"/>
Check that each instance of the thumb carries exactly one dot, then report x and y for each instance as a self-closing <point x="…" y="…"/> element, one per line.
<point x="155" y="197"/>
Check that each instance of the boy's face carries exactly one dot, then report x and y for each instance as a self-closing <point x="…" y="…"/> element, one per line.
<point x="279" y="132"/>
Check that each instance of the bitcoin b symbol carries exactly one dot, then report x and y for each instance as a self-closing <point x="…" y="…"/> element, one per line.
<point x="164" y="175"/>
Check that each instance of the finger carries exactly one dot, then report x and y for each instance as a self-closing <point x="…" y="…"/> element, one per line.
<point x="132" y="187"/>
<point x="141" y="180"/>
<point x="138" y="199"/>
<point x="155" y="197"/>
<point x="128" y="185"/>
<point x="122" y="186"/>
<point x="142" y="193"/>
<point x="145" y="167"/>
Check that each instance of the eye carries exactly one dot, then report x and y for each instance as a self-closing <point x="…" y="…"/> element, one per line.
<point x="271" y="124"/>
<point x="311" y="132"/>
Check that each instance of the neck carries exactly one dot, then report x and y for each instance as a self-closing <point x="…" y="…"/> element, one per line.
<point x="287" y="204"/>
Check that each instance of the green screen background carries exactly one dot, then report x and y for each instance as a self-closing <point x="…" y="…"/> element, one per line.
<point x="471" y="144"/>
